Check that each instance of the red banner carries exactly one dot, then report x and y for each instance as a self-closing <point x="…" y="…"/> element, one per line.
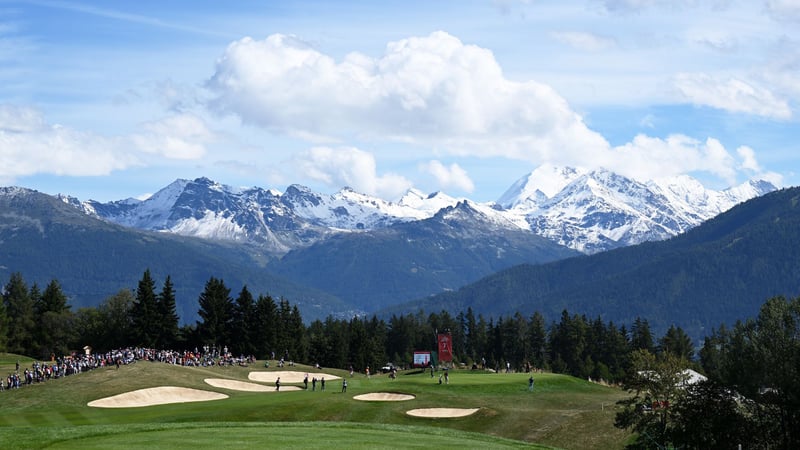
<point x="445" y="346"/>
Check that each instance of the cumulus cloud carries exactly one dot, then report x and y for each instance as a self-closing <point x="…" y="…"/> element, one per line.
<point x="452" y="176"/>
<point x="585" y="41"/>
<point x="437" y="92"/>
<point x="30" y="145"/>
<point x="431" y="90"/>
<point x="732" y="95"/>
<point x="648" y="157"/>
<point x="349" y="166"/>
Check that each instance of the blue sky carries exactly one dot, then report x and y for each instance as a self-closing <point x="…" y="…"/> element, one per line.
<point x="109" y="100"/>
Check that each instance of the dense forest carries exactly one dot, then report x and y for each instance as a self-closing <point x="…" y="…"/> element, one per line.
<point x="752" y="395"/>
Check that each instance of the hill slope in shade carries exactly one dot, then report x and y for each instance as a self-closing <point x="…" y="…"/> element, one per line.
<point x="718" y="272"/>
<point x="458" y="245"/>
<point x="45" y="239"/>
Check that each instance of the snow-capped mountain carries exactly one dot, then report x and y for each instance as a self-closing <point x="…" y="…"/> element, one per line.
<point x="589" y="211"/>
<point x="597" y="210"/>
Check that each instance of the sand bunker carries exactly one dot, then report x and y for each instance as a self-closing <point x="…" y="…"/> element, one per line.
<point x="238" y="385"/>
<point x="442" y="412"/>
<point x="384" y="397"/>
<point x="289" y="376"/>
<point x="156" y="396"/>
<point x="245" y="386"/>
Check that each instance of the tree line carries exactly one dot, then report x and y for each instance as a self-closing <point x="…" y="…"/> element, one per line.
<point x="752" y="395"/>
<point x="40" y="324"/>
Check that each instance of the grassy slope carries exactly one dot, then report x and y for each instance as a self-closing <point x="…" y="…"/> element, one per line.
<point x="562" y="411"/>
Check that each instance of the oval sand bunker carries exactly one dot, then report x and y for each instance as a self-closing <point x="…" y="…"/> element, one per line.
<point x="234" y="385"/>
<point x="384" y="397"/>
<point x="237" y="385"/>
<point x="156" y="396"/>
<point x="442" y="412"/>
<point x="288" y="376"/>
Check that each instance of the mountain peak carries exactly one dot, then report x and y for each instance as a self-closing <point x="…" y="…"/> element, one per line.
<point x="537" y="186"/>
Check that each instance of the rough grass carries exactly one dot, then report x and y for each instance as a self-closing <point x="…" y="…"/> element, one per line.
<point x="562" y="411"/>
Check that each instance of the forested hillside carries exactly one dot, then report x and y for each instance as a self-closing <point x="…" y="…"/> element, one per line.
<point x="45" y="239"/>
<point x="716" y="273"/>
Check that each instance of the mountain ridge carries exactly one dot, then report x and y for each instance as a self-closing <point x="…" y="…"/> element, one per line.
<point x="589" y="211"/>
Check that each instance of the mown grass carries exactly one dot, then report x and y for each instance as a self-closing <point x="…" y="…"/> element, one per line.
<point x="561" y="412"/>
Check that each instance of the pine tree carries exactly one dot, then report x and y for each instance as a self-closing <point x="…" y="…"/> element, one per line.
<point x="20" y="315"/>
<point x="216" y="312"/>
<point x="144" y="314"/>
<point x="3" y="328"/>
<point x="677" y="342"/>
<point x="641" y="338"/>
<point x="244" y="327"/>
<point x="55" y="322"/>
<point x="266" y="317"/>
<point x="537" y="340"/>
<point x="167" y="316"/>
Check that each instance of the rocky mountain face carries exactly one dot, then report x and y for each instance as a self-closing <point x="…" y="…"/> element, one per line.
<point x="588" y="211"/>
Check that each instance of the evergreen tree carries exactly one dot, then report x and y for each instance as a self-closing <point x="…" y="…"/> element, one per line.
<point x="145" y="314"/>
<point x="677" y="342"/>
<point x="244" y="323"/>
<point x="55" y="322"/>
<point x="216" y="312"/>
<point x="641" y="337"/>
<point x="115" y="312"/>
<point x="283" y="331"/>
<point x="470" y="335"/>
<point x="358" y="345"/>
<point x="319" y="347"/>
<point x="377" y="330"/>
<point x="537" y="340"/>
<point x="480" y="340"/>
<point x="19" y="310"/>
<point x="266" y="320"/>
<point x="338" y="343"/>
<point x="167" y="315"/>
<point x="3" y="328"/>
<point x="399" y="338"/>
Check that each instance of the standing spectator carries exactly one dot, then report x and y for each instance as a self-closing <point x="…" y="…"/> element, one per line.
<point x="278" y="384"/>
<point x="344" y="384"/>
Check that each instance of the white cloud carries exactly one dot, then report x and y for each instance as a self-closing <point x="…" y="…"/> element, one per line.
<point x="585" y="41"/>
<point x="30" y="145"/>
<point x="349" y="166"/>
<point x="731" y="95"/>
<point x="433" y="90"/>
<point x="647" y="158"/>
<point x="452" y="176"/>
<point x="748" y="159"/>
<point x="182" y="136"/>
